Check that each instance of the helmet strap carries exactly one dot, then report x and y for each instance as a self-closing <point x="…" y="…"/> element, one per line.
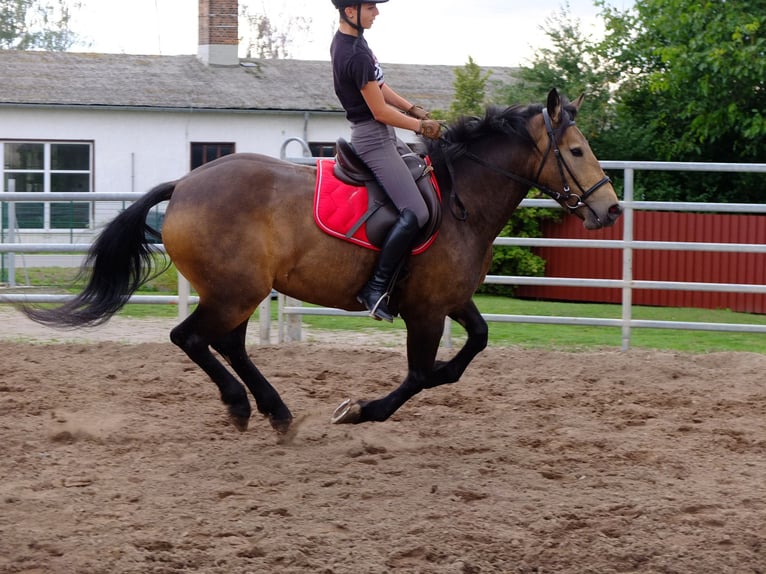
<point x="355" y="25"/>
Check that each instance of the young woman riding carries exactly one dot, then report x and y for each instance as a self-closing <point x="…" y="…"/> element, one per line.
<point x="374" y="110"/>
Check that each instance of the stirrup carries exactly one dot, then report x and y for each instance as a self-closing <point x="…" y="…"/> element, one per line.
<point x="373" y="312"/>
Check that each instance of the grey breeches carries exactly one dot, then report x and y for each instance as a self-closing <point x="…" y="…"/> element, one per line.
<point x="381" y="150"/>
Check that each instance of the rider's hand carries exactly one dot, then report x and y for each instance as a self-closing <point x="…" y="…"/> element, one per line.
<point x="418" y="113"/>
<point x="430" y="129"/>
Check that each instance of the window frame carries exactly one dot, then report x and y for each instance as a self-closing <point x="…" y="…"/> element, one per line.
<point x="204" y="147"/>
<point x="46" y="196"/>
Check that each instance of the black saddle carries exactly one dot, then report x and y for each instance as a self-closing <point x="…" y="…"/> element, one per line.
<point x="381" y="213"/>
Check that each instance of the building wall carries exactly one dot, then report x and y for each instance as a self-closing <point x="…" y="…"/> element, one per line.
<point x="134" y="150"/>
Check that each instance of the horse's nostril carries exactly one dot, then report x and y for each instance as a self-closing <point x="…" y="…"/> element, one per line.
<point x="615" y="211"/>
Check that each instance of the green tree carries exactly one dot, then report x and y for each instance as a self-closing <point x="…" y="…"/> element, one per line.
<point x="693" y="89"/>
<point x="269" y="37"/>
<point x="470" y="91"/>
<point x="706" y="63"/>
<point x="36" y="24"/>
<point x="574" y="65"/>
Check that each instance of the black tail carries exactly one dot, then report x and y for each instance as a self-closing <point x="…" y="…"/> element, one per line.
<point x="118" y="262"/>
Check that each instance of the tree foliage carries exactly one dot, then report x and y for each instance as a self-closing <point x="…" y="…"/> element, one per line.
<point x="470" y="91"/>
<point x="573" y="66"/>
<point x="36" y="25"/>
<point x="670" y="81"/>
<point x="269" y="38"/>
<point x="698" y="73"/>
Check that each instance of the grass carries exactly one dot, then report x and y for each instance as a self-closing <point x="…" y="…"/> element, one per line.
<point x="517" y="334"/>
<point x="579" y="337"/>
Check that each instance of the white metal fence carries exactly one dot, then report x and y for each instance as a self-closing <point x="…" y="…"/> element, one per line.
<point x="290" y="311"/>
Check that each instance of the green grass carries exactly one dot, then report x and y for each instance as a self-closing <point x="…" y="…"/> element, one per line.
<point x="580" y="337"/>
<point x="517" y="334"/>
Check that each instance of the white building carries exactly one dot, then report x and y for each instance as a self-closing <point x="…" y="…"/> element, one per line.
<point x="124" y="123"/>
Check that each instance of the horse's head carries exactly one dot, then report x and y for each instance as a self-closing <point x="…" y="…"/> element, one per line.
<point x="568" y="171"/>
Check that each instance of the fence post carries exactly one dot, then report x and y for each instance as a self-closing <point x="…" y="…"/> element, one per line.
<point x="264" y="320"/>
<point x="289" y="324"/>
<point x="11" y="235"/>
<point x="627" y="260"/>
<point x="184" y="290"/>
<point x="447" y="333"/>
<point x="294" y="321"/>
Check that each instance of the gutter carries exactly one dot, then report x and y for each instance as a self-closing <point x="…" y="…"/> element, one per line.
<point x="168" y="109"/>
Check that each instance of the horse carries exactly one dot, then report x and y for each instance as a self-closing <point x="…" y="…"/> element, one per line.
<point x="242" y="225"/>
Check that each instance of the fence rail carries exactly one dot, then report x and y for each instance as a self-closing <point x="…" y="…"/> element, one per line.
<point x="290" y="310"/>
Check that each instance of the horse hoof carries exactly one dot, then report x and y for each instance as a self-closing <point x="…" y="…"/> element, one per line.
<point x="282" y="426"/>
<point x="347" y="413"/>
<point x="240" y="423"/>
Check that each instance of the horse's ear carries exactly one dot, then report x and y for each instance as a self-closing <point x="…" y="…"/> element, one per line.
<point x="554" y="106"/>
<point x="578" y="102"/>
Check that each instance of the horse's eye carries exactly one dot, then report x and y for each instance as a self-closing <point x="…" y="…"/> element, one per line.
<point x="576" y="151"/>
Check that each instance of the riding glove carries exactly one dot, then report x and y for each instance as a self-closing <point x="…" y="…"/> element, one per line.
<point x="430" y="129"/>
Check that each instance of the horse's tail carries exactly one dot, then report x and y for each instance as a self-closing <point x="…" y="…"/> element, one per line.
<point x="118" y="263"/>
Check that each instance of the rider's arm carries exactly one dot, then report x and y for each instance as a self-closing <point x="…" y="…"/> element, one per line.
<point x="394" y="99"/>
<point x="387" y="111"/>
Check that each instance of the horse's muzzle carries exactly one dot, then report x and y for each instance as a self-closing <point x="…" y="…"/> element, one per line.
<point x="593" y="218"/>
<point x="613" y="214"/>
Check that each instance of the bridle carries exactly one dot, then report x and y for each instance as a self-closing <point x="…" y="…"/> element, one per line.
<point x="572" y="201"/>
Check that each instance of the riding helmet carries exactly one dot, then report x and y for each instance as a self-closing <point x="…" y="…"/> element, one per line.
<point x="340" y="4"/>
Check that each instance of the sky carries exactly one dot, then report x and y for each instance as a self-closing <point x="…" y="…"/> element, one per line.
<point x="492" y="32"/>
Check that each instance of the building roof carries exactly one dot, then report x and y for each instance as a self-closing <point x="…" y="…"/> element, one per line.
<point x="53" y="79"/>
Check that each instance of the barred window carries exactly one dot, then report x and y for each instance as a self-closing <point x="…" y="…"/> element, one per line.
<point x="44" y="169"/>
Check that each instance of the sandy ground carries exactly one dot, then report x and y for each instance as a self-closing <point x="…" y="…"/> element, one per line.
<point x="117" y="457"/>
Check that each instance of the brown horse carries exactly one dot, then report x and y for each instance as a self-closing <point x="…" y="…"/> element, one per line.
<point x="242" y="225"/>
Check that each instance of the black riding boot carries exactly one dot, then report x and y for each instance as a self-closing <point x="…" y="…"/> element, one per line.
<point x="374" y="295"/>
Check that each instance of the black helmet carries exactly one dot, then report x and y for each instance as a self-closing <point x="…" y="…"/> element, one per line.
<point x="340" y="4"/>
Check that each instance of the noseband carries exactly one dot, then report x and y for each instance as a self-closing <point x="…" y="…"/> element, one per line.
<point x="572" y="201"/>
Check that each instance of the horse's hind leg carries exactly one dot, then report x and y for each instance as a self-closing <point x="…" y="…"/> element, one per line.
<point x="190" y="337"/>
<point x="267" y="399"/>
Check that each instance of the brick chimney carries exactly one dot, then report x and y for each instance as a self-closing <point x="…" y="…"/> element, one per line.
<point x="218" y="32"/>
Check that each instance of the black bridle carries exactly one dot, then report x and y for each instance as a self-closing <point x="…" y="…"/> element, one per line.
<point x="572" y="201"/>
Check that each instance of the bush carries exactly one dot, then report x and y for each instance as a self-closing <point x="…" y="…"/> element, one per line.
<point x="515" y="260"/>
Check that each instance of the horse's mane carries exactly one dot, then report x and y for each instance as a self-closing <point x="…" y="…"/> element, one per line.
<point x="511" y="122"/>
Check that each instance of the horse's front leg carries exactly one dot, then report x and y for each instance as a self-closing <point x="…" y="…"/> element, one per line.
<point x="422" y="344"/>
<point x="476" y="327"/>
<point x="424" y="371"/>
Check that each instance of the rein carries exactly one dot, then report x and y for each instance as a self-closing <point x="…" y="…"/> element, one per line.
<point x="572" y="201"/>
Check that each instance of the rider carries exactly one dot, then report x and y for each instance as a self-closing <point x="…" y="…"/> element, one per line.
<point x="374" y="110"/>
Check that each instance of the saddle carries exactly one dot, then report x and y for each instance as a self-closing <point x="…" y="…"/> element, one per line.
<point x="381" y="214"/>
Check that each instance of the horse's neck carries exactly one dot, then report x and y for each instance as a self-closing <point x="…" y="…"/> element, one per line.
<point x="499" y="214"/>
<point x="489" y="198"/>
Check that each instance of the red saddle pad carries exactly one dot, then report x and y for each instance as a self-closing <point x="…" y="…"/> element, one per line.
<point x="338" y="206"/>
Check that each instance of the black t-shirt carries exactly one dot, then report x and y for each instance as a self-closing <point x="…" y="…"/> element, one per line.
<point x="353" y="67"/>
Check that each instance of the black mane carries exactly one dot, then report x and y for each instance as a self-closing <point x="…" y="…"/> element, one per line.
<point x="511" y="122"/>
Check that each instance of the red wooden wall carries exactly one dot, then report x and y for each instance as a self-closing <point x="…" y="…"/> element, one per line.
<point x="656" y="265"/>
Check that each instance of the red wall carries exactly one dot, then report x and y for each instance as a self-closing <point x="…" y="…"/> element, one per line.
<point x="656" y="265"/>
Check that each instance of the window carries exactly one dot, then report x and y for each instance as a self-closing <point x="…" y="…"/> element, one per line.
<point x="319" y="149"/>
<point x="201" y="153"/>
<point x="44" y="169"/>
